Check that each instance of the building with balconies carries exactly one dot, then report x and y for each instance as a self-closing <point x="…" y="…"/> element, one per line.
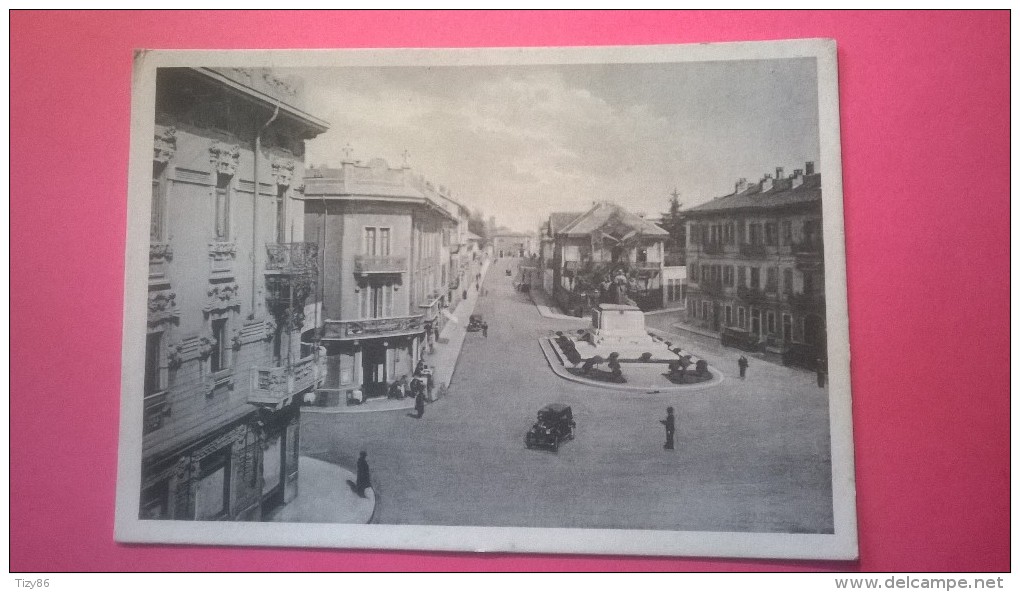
<point x="229" y="277"/>
<point x="383" y="237"/>
<point x="755" y="264"/>
<point x="591" y="245"/>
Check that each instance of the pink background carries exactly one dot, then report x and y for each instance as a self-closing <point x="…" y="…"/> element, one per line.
<point x="925" y="130"/>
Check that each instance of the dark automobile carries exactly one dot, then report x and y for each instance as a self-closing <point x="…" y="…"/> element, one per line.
<point x="475" y="322"/>
<point x="555" y="424"/>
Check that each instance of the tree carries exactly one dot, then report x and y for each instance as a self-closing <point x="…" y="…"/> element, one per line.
<point x="674" y="223"/>
<point x="477" y="225"/>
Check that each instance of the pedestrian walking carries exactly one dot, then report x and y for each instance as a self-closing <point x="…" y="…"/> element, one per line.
<point x="364" y="479"/>
<point x="670" y="424"/>
<point x="820" y="369"/>
<point x="419" y="403"/>
<point x="742" y="363"/>
<point x="485" y="330"/>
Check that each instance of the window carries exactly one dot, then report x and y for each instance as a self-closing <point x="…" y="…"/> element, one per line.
<point x="695" y="234"/>
<point x="742" y="317"/>
<point x="153" y="363"/>
<point x="787" y="328"/>
<point x="756" y="237"/>
<point x="787" y="232"/>
<point x="770" y="322"/>
<point x="384" y="242"/>
<point x="741" y="276"/>
<point x="223" y="207"/>
<point x="772" y="280"/>
<point x="729" y="315"/>
<point x="728" y="276"/>
<point x="377" y="301"/>
<point x="771" y="234"/>
<point x="706" y="309"/>
<point x="156" y="228"/>
<point x="218" y="357"/>
<point x="369" y="247"/>
<point x="755" y="278"/>
<point x="787" y="280"/>
<point x="694" y="272"/>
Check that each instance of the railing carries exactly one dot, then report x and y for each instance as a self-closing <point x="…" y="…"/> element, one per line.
<point x="649" y="265"/>
<point x="156" y="408"/>
<point x="292" y="258"/>
<point x="712" y="248"/>
<point x="715" y="288"/>
<point x="380" y="264"/>
<point x="807" y="301"/>
<point x="751" y="295"/>
<point x="752" y="250"/>
<point x="373" y="327"/>
<point x="807" y="247"/>
<point x="275" y="385"/>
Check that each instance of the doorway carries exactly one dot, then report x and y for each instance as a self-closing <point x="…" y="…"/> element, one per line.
<point x="373" y="367"/>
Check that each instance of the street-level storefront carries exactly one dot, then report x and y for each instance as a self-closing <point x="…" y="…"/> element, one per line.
<point x="241" y="471"/>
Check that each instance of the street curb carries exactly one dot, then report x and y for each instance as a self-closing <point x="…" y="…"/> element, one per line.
<point x="355" y="409"/>
<point x="665" y="310"/>
<point x="708" y="334"/>
<point x="559" y="370"/>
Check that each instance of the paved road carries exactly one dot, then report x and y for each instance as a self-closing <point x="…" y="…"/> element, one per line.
<point x="750" y="455"/>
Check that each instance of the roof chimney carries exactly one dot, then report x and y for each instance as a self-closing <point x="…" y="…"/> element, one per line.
<point x="779" y="173"/>
<point x="809" y="168"/>
<point x="766" y="183"/>
<point x="741" y="185"/>
<point x="797" y="179"/>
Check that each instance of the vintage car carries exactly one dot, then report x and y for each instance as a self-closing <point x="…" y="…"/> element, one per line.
<point x="475" y="322"/>
<point x="555" y="424"/>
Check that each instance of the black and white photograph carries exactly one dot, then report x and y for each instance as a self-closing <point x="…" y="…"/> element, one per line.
<point x="555" y="300"/>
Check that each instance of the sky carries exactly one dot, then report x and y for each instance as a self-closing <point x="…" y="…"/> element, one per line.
<point x="519" y="142"/>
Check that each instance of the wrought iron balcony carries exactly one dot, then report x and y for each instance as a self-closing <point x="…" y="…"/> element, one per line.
<point x="712" y="248"/>
<point x="752" y="250"/>
<point x="365" y="264"/>
<point x="274" y="386"/>
<point x="751" y="295"/>
<point x="156" y="408"/>
<point x="807" y="301"/>
<point x="295" y="259"/>
<point x="365" y="328"/>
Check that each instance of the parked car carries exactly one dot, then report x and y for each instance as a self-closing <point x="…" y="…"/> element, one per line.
<point x="555" y="424"/>
<point x="475" y="322"/>
<point x="736" y="337"/>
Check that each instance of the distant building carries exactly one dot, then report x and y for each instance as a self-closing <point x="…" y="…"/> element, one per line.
<point x="755" y="264"/>
<point x="513" y="244"/>
<point x="604" y="239"/>
<point x="228" y="277"/>
<point x="384" y="239"/>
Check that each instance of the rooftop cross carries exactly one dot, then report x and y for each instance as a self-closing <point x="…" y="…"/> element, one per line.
<point x="347" y="150"/>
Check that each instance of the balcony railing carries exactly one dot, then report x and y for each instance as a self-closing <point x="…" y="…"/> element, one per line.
<point x="364" y="264"/>
<point x="649" y="265"/>
<point x="364" y="328"/>
<point x="713" y="287"/>
<point x="156" y="408"/>
<point x="807" y="301"/>
<point x="752" y="250"/>
<point x="292" y="259"/>
<point x="751" y="295"/>
<point x="274" y="386"/>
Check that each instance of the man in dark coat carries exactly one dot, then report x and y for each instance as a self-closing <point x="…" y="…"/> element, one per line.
<point x="742" y="363"/>
<point x="670" y="424"/>
<point x="485" y="330"/>
<point x="419" y="402"/>
<point x="364" y="480"/>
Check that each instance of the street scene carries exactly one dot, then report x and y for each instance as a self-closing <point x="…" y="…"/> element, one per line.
<point x="580" y="296"/>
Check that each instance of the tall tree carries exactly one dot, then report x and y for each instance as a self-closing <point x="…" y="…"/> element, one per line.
<point x="673" y="222"/>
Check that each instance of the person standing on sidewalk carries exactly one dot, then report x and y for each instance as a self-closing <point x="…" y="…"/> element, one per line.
<point x="742" y="363"/>
<point x="485" y="330"/>
<point x="670" y="424"/>
<point x="364" y="479"/>
<point x="419" y="403"/>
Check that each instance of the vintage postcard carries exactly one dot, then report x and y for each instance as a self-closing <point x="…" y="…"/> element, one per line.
<point x="557" y="300"/>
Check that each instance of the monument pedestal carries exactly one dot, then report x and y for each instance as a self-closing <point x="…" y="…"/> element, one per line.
<point x="621" y="328"/>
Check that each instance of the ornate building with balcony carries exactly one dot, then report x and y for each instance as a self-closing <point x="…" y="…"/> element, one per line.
<point x="383" y="237"/>
<point x="755" y="265"/>
<point x="583" y="251"/>
<point x="229" y="278"/>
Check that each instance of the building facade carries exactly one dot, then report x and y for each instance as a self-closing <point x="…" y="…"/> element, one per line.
<point x="513" y="244"/>
<point x="755" y="264"/>
<point x="605" y="239"/>
<point x="384" y="238"/>
<point x="229" y="275"/>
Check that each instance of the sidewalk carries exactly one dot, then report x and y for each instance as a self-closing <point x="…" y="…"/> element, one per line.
<point x="446" y="351"/>
<point x="326" y="495"/>
<point x="546" y="308"/>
